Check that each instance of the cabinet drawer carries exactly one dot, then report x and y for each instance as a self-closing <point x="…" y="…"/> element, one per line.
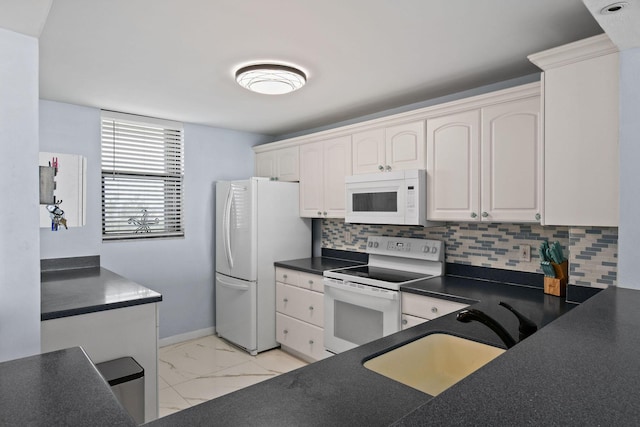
<point x="409" y="321"/>
<point x="428" y="307"/>
<point x="300" y="336"/>
<point x="290" y="277"/>
<point x="300" y="303"/>
<point x="311" y="281"/>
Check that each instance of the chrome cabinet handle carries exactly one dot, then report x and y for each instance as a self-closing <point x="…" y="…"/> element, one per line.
<point x="404" y="321"/>
<point x="311" y="307"/>
<point x="285" y="300"/>
<point x="484" y="214"/>
<point x="324" y="213"/>
<point x="285" y="332"/>
<point x="284" y="276"/>
<point x="311" y="342"/>
<point x="319" y="213"/>
<point x="434" y="309"/>
<point x="388" y="168"/>
<point x="380" y="167"/>
<point x="311" y="282"/>
<point x="538" y="216"/>
<point x="473" y="215"/>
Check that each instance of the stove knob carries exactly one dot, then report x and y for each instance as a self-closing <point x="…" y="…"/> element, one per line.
<point x="434" y="250"/>
<point x="375" y="244"/>
<point x="370" y="244"/>
<point x="426" y="249"/>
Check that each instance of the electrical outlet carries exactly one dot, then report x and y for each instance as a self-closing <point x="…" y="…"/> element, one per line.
<point x="525" y="253"/>
<point x="347" y="236"/>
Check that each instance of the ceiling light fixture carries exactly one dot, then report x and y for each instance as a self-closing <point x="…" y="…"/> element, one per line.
<point x="270" y="79"/>
<point x="613" y="8"/>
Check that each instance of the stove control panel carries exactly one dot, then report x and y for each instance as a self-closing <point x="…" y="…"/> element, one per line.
<point x="431" y="250"/>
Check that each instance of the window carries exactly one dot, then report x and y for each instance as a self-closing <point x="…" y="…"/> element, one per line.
<point x="142" y="177"/>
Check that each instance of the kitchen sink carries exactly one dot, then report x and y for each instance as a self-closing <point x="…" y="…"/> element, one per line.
<point x="433" y="363"/>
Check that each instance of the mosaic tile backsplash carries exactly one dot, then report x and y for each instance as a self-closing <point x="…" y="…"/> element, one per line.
<point x="592" y="251"/>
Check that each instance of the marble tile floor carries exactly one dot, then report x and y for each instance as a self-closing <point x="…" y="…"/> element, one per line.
<point x="195" y="371"/>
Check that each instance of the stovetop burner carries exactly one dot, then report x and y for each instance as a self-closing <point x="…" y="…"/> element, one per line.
<point x="383" y="274"/>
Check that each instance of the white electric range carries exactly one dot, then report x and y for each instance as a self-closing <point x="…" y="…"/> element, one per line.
<point x="362" y="303"/>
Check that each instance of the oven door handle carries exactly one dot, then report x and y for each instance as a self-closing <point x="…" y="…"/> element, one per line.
<point x="368" y="290"/>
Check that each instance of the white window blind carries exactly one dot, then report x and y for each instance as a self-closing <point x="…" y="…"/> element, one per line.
<point x="142" y="177"/>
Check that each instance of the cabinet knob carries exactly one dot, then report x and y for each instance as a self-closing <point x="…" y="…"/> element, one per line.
<point x="485" y="214"/>
<point x="285" y="300"/>
<point x="474" y="215"/>
<point x="538" y="216"/>
<point x="284" y="276"/>
<point x="311" y="282"/>
<point x="380" y="167"/>
<point x="311" y="307"/>
<point x="434" y="309"/>
<point x="275" y="178"/>
<point x="388" y="168"/>
<point x="285" y="332"/>
<point x="319" y="213"/>
<point x="404" y="321"/>
<point x="311" y="342"/>
<point x="324" y="213"/>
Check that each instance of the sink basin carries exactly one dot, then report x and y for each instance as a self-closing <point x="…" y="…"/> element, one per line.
<point x="433" y="363"/>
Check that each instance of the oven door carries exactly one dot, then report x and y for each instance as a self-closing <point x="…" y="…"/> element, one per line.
<point x="357" y="314"/>
<point x="380" y="201"/>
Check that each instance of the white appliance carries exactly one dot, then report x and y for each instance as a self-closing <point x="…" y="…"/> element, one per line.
<point x="387" y="198"/>
<point x="257" y="223"/>
<point x="362" y="303"/>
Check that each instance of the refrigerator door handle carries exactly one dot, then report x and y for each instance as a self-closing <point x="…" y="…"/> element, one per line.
<point x="241" y="287"/>
<point x="227" y="228"/>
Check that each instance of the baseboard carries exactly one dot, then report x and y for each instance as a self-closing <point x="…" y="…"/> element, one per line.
<point x="174" y="339"/>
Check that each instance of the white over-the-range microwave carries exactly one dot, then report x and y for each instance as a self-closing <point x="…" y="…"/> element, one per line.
<point x="398" y="197"/>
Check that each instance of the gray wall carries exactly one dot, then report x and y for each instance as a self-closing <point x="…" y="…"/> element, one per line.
<point x="19" y="265"/>
<point x="629" y="229"/>
<point x="181" y="269"/>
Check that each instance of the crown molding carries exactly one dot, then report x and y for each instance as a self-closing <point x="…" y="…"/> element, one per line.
<point x="574" y="52"/>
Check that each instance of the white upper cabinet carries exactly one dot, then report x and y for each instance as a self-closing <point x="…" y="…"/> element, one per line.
<point x="511" y="154"/>
<point x="581" y="153"/>
<point x="453" y="167"/>
<point x="323" y="168"/>
<point x="484" y="164"/>
<point x="281" y="165"/>
<point x="392" y="148"/>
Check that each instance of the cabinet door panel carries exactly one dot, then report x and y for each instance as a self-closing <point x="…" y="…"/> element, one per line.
<point x="266" y="164"/>
<point x="510" y="160"/>
<point x="368" y="151"/>
<point x="453" y="167"/>
<point x="405" y="146"/>
<point x="288" y="164"/>
<point x="311" y="180"/>
<point x="337" y="165"/>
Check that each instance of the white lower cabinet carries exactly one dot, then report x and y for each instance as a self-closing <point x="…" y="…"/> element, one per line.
<point x="300" y="313"/>
<point x="305" y="339"/>
<point x="417" y="309"/>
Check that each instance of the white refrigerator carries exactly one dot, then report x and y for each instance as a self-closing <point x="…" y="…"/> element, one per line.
<point x="257" y="223"/>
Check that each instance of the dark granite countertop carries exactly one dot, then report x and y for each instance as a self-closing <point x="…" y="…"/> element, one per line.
<point x="87" y="290"/>
<point x="316" y="265"/>
<point x="340" y="391"/>
<point x="61" y="388"/>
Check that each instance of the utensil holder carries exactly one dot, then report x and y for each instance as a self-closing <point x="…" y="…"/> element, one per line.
<point x="557" y="285"/>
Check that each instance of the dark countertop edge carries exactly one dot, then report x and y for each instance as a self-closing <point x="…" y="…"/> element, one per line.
<point x="97" y="308"/>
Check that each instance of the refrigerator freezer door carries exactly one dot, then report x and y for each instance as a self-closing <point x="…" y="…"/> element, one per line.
<point x="236" y="229"/>
<point x="236" y="310"/>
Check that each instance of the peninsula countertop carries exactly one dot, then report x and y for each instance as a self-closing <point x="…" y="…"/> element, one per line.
<point x="87" y="290"/>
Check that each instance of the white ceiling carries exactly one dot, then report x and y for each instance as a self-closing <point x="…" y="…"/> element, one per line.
<point x="175" y="59"/>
